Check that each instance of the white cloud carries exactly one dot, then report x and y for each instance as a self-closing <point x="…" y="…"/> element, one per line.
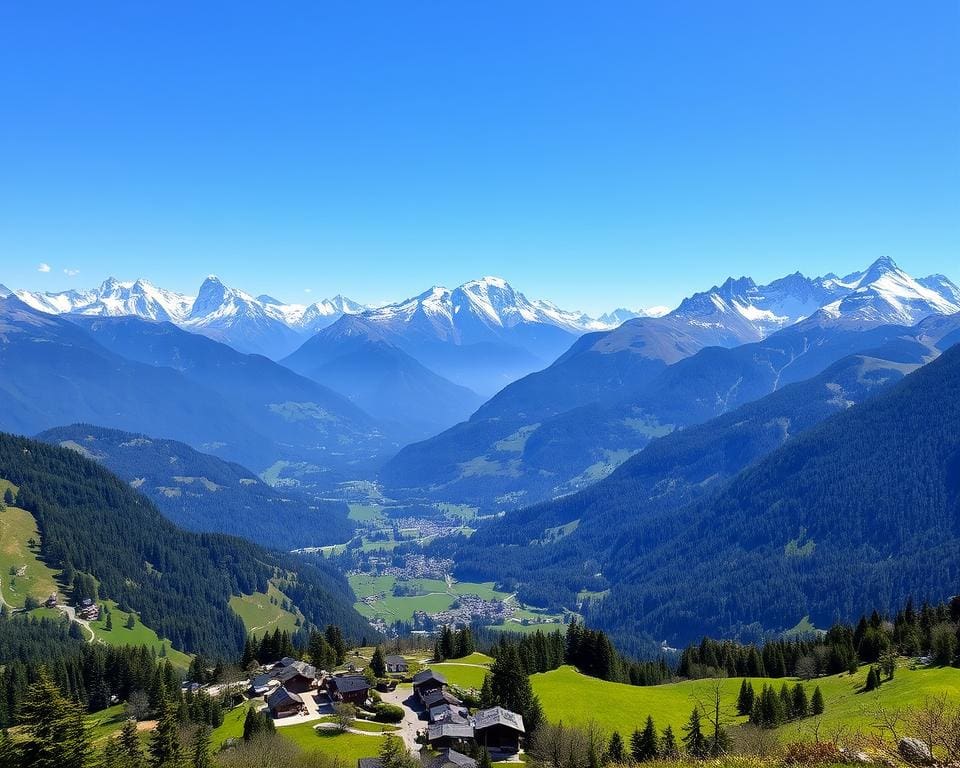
<point x="43" y="267"/>
<point x="308" y="290"/>
<point x="71" y="272"/>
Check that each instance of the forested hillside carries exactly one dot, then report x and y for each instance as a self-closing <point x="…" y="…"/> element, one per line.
<point x="179" y="583"/>
<point x="203" y="493"/>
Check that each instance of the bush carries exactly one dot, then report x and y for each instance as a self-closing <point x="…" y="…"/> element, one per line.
<point x="813" y="753"/>
<point x="388" y="713"/>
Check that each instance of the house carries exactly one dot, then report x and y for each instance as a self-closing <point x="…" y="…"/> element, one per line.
<point x="426" y="681"/>
<point x="448" y="713"/>
<point x="284" y="703"/>
<point x="498" y="729"/>
<point x="52" y="601"/>
<point x="297" y="676"/>
<point x="88" y="610"/>
<point x="438" y="697"/>
<point x="396" y="665"/>
<point x="261" y="685"/>
<point x="448" y="758"/>
<point x="352" y="689"/>
<point x="457" y="736"/>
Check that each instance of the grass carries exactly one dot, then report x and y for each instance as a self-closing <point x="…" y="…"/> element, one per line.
<point x="347" y="747"/>
<point x="17" y="528"/>
<point x="260" y="615"/>
<point x="460" y="675"/>
<point x="363" y="725"/>
<point x="138" y="634"/>
<point x="573" y="698"/>
<point x="365" y="513"/>
<point x="103" y="724"/>
<point x="230" y="728"/>
<point x="402" y="608"/>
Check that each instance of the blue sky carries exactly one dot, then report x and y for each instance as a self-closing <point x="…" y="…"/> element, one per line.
<point x="598" y="154"/>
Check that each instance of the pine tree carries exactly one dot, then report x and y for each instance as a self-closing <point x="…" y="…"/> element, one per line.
<point x="201" y="748"/>
<point x="53" y="729"/>
<point x="164" y="746"/>
<point x="131" y="621"/>
<point x="109" y="624"/>
<point x="129" y="749"/>
<point x="746" y="697"/>
<point x="668" y="747"/>
<point x="873" y="680"/>
<point x="693" y="738"/>
<point x="636" y="745"/>
<point x="786" y="703"/>
<point x="335" y="638"/>
<point x="615" y="751"/>
<point x="483" y="760"/>
<point x="816" y="703"/>
<point x="377" y="663"/>
<point x="649" y="743"/>
<point x="801" y="707"/>
<point x="487" y="698"/>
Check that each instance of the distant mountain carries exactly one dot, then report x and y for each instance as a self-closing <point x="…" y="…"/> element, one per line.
<point x="203" y="493"/>
<point x="353" y="357"/>
<point x="153" y="378"/>
<point x="4" y="291"/>
<point x="178" y="583"/>
<point x="648" y="535"/>
<point x="571" y="424"/>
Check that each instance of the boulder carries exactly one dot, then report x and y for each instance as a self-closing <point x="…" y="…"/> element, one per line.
<point x="915" y="752"/>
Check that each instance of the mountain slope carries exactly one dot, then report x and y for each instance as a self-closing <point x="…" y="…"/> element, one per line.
<point x="179" y="583"/>
<point x="200" y="492"/>
<point x="864" y="507"/>
<point x="354" y="358"/>
<point x="611" y="392"/>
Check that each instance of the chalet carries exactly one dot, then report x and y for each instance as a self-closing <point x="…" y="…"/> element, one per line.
<point x="438" y="697"/>
<point x="457" y="736"/>
<point x="261" y="685"/>
<point x="448" y="758"/>
<point x="427" y="681"/>
<point x="297" y="676"/>
<point x="498" y="729"/>
<point x="449" y="713"/>
<point x="88" y="610"/>
<point x="52" y="601"/>
<point x="353" y="689"/>
<point x="284" y="703"/>
<point x="396" y="665"/>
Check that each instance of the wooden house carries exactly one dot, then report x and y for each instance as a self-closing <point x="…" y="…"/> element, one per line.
<point x="396" y="665"/>
<point x="498" y="729"/>
<point x="427" y="681"/>
<point x="353" y="689"/>
<point x="284" y="703"/>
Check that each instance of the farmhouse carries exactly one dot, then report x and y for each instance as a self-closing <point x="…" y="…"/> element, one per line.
<point x="457" y="736"/>
<point x="297" y="676"/>
<point x="88" y="610"/>
<point x="448" y="758"/>
<point x="448" y="713"/>
<point x="439" y="697"/>
<point x="498" y="729"/>
<point x="283" y="703"/>
<point x="261" y="685"/>
<point x="396" y="665"/>
<point x="352" y="689"/>
<point x="427" y="681"/>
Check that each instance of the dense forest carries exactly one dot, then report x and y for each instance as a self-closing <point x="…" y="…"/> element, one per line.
<point x="204" y="493"/>
<point x="178" y="582"/>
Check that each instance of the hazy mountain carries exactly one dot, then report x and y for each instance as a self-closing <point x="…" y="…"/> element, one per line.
<point x="203" y="493"/>
<point x="353" y="357"/>
<point x="153" y="378"/>
<point x="571" y="424"/>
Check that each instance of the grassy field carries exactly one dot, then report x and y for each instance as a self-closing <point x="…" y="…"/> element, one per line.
<point x="461" y="675"/>
<point x="569" y="696"/>
<point x="17" y="528"/>
<point x="363" y="725"/>
<point x="347" y="747"/>
<point x="105" y="723"/>
<point x="365" y="513"/>
<point x="139" y="634"/>
<point x="260" y="615"/>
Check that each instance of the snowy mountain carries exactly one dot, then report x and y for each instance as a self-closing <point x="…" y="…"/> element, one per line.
<point x="4" y="291"/>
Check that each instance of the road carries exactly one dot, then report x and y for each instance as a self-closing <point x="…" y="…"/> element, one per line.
<point x="71" y="614"/>
<point x="411" y="724"/>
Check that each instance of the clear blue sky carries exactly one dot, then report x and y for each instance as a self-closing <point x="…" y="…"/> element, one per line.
<point x="598" y="154"/>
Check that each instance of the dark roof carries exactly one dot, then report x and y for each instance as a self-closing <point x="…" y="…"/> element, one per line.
<point x="261" y="681"/>
<point x="286" y="661"/>
<point x="448" y="713"/>
<point x="369" y="762"/>
<point x="437" y="697"/>
<point x="450" y="730"/>
<point x="448" y="758"/>
<point x="486" y="718"/>
<point x="294" y="669"/>
<point x="282" y="696"/>
<point x="395" y="660"/>
<point x="351" y="683"/>
<point x="428" y="675"/>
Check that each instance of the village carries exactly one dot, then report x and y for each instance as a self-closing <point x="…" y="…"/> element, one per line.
<point x="434" y="719"/>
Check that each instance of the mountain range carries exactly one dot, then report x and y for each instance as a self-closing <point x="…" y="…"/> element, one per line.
<point x="572" y="423"/>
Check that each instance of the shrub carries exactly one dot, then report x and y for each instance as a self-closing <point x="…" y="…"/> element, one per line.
<point x="388" y="713"/>
<point x="813" y="753"/>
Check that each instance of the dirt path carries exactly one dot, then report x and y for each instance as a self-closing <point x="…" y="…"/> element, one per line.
<point x="411" y="723"/>
<point x="72" y="615"/>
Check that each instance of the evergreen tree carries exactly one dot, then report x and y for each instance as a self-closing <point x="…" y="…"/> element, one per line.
<point x="615" y="751"/>
<point x="636" y="745"/>
<point x="668" y="747"/>
<point x="487" y="698"/>
<point x="335" y="638"/>
<point x="378" y="664"/>
<point x="483" y="759"/>
<point x="816" y="703"/>
<point x="873" y="680"/>
<point x="786" y="703"/>
<point x="129" y="749"/>
<point x="693" y="738"/>
<point x="53" y="730"/>
<point x="649" y="746"/>
<point x="164" y="748"/>
<point x="801" y="708"/>
<point x="201" y="748"/>
<point x="256" y="723"/>
<point x="745" y="698"/>
<point x="109" y="623"/>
